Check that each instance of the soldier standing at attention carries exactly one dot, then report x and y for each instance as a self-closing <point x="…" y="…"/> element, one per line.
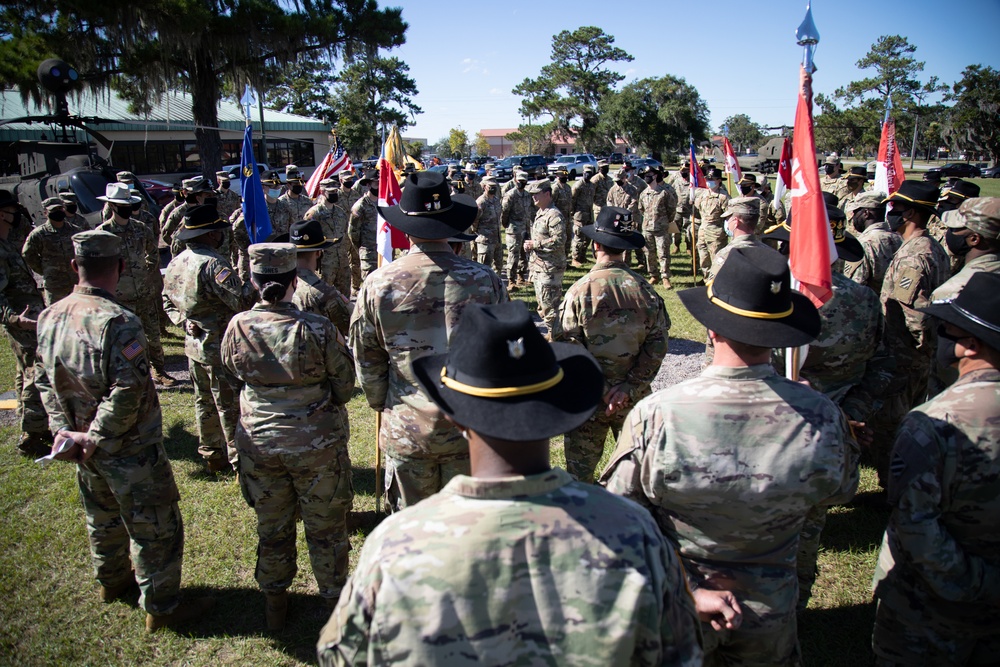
<point x="20" y="304"/>
<point x="140" y="278"/>
<point x="312" y="294"/>
<point x="335" y="267"/>
<point x="197" y="191"/>
<point x="73" y="215"/>
<point x="831" y="180"/>
<point x="489" y="250"/>
<point x="709" y="205"/>
<point x="408" y="309"/>
<point x="472" y="187"/>
<point x="947" y="215"/>
<point x="363" y="227"/>
<point x="94" y="378"/>
<point x="48" y="250"/>
<point x="621" y="320"/>
<point x="732" y="461"/>
<point x="602" y="184"/>
<point x="200" y="294"/>
<point x="295" y="200"/>
<point x="866" y="215"/>
<point x="481" y="596"/>
<point x="658" y="205"/>
<point x="292" y="440"/>
<point x="562" y="199"/>
<point x="937" y="580"/>
<point x="515" y="216"/>
<point x="855" y="186"/>
<point x="278" y="212"/>
<point x="682" y="188"/>
<point x="228" y="202"/>
<point x="547" y="251"/>
<point x="583" y="214"/>
<point x="346" y="199"/>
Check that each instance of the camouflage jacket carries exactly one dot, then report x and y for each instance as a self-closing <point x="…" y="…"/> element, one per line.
<point x="140" y="279"/>
<point x="583" y="196"/>
<point x="548" y="234"/>
<point x="516" y="210"/>
<point x="682" y="188"/>
<point x="602" y="185"/>
<point x="730" y="463"/>
<point x="334" y="225"/>
<point x="281" y="220"/>
<point x="315" y="296"/>
<point x="297" y="374"/>
<point x="879" y="245"/>
<point x="405" y="310"/>
<point x="638" y="184"/>
<point x="562" y="198"/>
<point x="487" y="224"/>
<point x="939" y="554"/>
<point x="710" y="205"/>
<point x="165" y="212"/>
<point x="743" y="241"/>
<point x="473" y="189"/>
<point x="228" y="202"/>
<point x="836" y="186"/>
<point x="491" y="600"/>
<point x="297" y="206"/>
<point x="200" y="286"/>
<point x="614" y="313"/>
<point x="145" y="217"/>
<point x="346" y="201"/>
<point x="625" y="197"/>
<point x="363" y="223"/>
<point x="170" y="226"/>
<point x="48" y="251"/>
<point x="989" y="262"/>
<point x="658" y="205"/>
<point x="17" y="292"/>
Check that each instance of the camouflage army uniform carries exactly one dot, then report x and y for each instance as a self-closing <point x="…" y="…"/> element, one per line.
<point x="165" y="212"/>
<point x="583" y="214"/>
<point x="169" y="228"/>
<point x="297" y="206"/>
<point x="94" y="377"/>
<point x="335" y="265"/>
<point x="937" y="229"/>
<point x="682" y="188"/>
<point x="292" y="439"/>
<point x="658" y="206"/>
<point x="742" y="241"/>
<point x="138" y="285"/>
<point x="472" y="188"/>
<point x="621" y="320"/>
<point x="228" y="202"/>
<point x="638" y="184"/>
<point x="313" y="295"/>
<point x="516" y="211"/>
<point x="47" y="251"/>
<point x="407" y="309"/>
<point x="17" y="292"/>
<point x="492" y="601"/>
<point x="547" y="263"/>
<point x="349" y="197"/>
<point x="487" y="230"/>
<point x="624" y="196"/>
<point x="730" y="463"/>
<point x="708" y="209"/>
<point x="918" y="268"/>
<point x="879" y="245"/>
<point x="834" y="185"/>
<point x="602" y="185"/>
<point x="363" y="231"/>
<point x="201" y="287"/>
<point x="562" y="199"/>
<point x="281" y="220"/>
<point x="937" y="576"/>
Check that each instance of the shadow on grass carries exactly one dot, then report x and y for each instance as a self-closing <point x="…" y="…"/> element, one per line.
<point x="838" y="636"/>
<point x="181" y="444"/>
<point x="365" y="521"/>
<point x="686" y="347"/>
<point x="363" y="480"/>
<point x="860" y="527"/>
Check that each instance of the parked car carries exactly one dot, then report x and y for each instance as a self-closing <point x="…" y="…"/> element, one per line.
<point x="573" y="163"/>
<point x="529" y="163"/>
<point x="616" y="158"/>
<point x="160" y="191"/>
<point x="992" y="172"/>
<point x="960" y="169"/>
<point x="644" y="162"/>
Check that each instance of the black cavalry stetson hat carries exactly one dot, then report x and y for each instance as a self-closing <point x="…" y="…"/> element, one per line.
<point x="976" y="309"/>
<point x="199" y="220"/>
<point x="502" y="379"/>
<point x="428" y="210"/>
<point x="307" y="236"/>
<point x="849" y="248"/>
<point x="921" y="195"/>
<point x="614" y="229"/>
<point x="751" y="301"/>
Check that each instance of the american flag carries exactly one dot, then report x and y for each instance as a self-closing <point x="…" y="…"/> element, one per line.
<point x="335" y="162"/>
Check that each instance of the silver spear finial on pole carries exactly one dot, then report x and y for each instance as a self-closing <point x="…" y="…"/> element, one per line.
<point x="807" y="37"/>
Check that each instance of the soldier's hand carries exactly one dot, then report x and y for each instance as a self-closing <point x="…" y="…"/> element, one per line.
<point x="862" y="433"/>
<point x="83" y="446"/>
<point x="615" y="400"/>
<point x="25" y="321"/>
<point x="718" y="608"/>
<point x="193" y="329"/>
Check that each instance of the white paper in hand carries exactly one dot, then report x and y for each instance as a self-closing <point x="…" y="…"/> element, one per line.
<point x="65" y="445"/>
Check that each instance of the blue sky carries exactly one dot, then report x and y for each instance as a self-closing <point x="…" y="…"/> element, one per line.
<point x="741" y="56"/>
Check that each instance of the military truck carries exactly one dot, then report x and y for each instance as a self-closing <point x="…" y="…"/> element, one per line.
<point x="765" y="161"/>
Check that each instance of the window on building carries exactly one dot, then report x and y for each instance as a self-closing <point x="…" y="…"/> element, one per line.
<point x="182" y="157"/>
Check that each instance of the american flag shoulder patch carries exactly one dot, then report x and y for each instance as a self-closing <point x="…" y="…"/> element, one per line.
<point x="221" y="276"/>
<point x="132" y="349"/>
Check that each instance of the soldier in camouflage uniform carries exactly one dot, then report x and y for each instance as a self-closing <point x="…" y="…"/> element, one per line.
<point x="296" y="201"/>
<point x="489" y="250"/>
<point x="854" y="186"/>
<point x="362" y="227"/>
<point x="562" y="199"/>
<point x="196" y="191"/>
<point x="917" y="269"/>
<point x="94" y="378"/>
<point x="621" y="320"/>
<point x="602" y="185"/>
<point x="48" y="250"/>
<point x="312" y="294"/>
<point x="488" y="599"/>
<point x="335" y="266"/>
<point x="346" y="199"/>
<point x="72" y="205"/>
<point x="583" y="214"/>
<point x="658" y="206"/>
<point x="292" y="438"/>
<point x="472" y="187"/>
<point x="832" y="180"/>
<point x="948" y="216"/>
<point x="634" y="179"/>
<point x="682" y="217"/>
<point x="739" y="221"/>
<point x="168" y="208"/>
<point x="278" y="212"/>
<point x="623" y="195"/>
<point x="200" y="294"/>
<point x="138" y="285"/>
<point x="20" y="304"/>
<point x="516" y="212"/>
<point x="227" y="201"/>
<point x="709" y="205"/>
<point x="867" y="215"/>
<point x="547" y="255"/>
<point x="736" y="515"/>
<point x="408" y="309"/>
<point x="937" y="576"/>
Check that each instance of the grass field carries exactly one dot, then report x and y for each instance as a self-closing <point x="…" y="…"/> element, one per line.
<point x="52" y="614"/>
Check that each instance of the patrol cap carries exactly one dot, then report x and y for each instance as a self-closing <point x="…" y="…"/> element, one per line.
<point x="272" y="258"/>
<point x="588" y="167"/>
<point x="537" y="187"/>
<point x="488" y="166"/>
<point x="329" y="184"/>
<point x="97" y="243"/>
<point x="870" y="199"/>
<point x="488" y="181"/>
<point x="621" y="174"/>
<point x="981" y="215"/>
<point x="603" y="163"/>
<point x="189" y="183"/>
<point x="68" y="197"/>
<point x="52" y="202"/>
<point x="222" y="175"/>
<point x="346" y="176"/>
<point x="521" y="177"/>
<point x="125" y="176"/>
<point x="743" y="206"/>
<point x="832" y="158"/>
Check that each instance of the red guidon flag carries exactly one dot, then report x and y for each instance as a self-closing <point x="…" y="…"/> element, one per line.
<point x="889" y="168"/>
<point x="811" y="248"/>
<point x="388" y="237"/>
<point x="732" y="168"/>
<point x="784" y="170"/>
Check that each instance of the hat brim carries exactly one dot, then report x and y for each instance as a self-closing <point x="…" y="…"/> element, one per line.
<point x="849" y="249"/>
<point x="632" y="241"/>
<point x="130" y="200"/>
<point x="188" y="234"/>
<point x="437" y="225"/>
<point x="947" y="312"/>
<point x="799" y="328"/>
<point x="544" y="414"/>
<point x="930" y="210"/>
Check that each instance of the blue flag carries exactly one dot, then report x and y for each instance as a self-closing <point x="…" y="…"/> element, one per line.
<point x="255" y="215"/>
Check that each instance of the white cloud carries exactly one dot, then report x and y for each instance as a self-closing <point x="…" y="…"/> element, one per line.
<point x="474" y="66"/>
<point x="495" y="91"/>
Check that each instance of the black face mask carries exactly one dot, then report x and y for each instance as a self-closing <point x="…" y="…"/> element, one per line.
<point x="605" y="170"/>
<point x="957" y="244"/>
<point x="57" y="216"/>
<point x="212" y="201"/>
<point x="124" y="211"/>
<point x="895" y="221"/>
<point x="944" y="207"/>
<point x="224" y="185"/>
<point x="685" y="174"/>
<point x="374" y="191"/>
<point x="71" y="209"/>
<point x="858" y="222"/>
<point x="296" y="189"/>
<point x="136" y="207"/>
<point x="192" y="200"/>
<point x="332" y="196"/>
<point x="178" y="197"/>
<point x="746" y="189"/>
<point x="587" y="175"/>
<point x="945" y="353"/>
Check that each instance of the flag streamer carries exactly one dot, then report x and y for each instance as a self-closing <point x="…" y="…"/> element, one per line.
<point x="335" y="161"/>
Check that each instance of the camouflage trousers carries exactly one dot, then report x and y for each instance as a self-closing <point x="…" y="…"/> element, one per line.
<point x="217" y="410"/>
<point x="131" y="506"/>
<point x="580" y="242"/>
<point x="913" y="373"/>
<point x="584" y="446"/>
<point x="711" y="239"/>
<point x="148" y="312"/>
<point x="517" y="265"/>
<point x="758" y="642"/>
<point x="408" y="481"/>
<point x="657" y="253"/>
<point x="908" y="636"/>
<point x="490" y="253"/>
<point x="548" y="292"/>
<point x="314" y="484"/>
<point x="355" y="263"/>
<point x="808" y="554"/>
<point x="30" y="410"/>
<point x="682" y="223"/>
<point x="336" y="267"/>
<point x="369" y="261"/>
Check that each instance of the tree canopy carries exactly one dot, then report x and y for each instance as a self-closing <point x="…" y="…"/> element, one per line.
<point x="743" y="133"/>
<point x="973" y="123"/>
<point x="657" y="113"/>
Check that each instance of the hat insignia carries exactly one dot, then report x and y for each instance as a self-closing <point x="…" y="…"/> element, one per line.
<point x="516" y="348"/>
<point x="775" y="286"/>
<point x="305" y="237"/>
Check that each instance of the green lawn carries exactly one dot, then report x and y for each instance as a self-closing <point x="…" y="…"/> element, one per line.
<point x="52" y="614"/>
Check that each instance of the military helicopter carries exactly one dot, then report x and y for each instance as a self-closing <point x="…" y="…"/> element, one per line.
<point x="50" y="167"/>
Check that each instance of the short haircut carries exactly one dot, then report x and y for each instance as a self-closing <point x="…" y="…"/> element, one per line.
<point x="96" y="267"/>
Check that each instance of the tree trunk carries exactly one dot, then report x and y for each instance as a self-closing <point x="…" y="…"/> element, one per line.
<point x="205" y="108"/>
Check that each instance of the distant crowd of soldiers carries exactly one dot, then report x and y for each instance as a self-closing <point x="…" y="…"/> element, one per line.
<point x="732" y="471"/>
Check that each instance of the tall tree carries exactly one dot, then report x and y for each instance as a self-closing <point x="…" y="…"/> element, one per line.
<point x="302" y="87"/>
<point x="570" y="88"/>
<point x="414" y="149"/>
<point x="480" y="145"/>
<point x="742" y="132"/>
<point x="533" y="139"/>
<point x="458" y="142"/>
<point x="147" y="48"/>
<point x="372" y="94"/>
<point x="657" y="113"/>
<point x="973" y="123"/>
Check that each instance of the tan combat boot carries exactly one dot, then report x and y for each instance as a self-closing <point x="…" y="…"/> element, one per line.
<point x="184" y="613"/>
<point x="112" y="593"/>
<point x="162" y="378"/>
<point x="275" y="610"/>
<point x="653" y="280"/>
<point x="217" y="465"/>
<point x="666" y="283"/>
